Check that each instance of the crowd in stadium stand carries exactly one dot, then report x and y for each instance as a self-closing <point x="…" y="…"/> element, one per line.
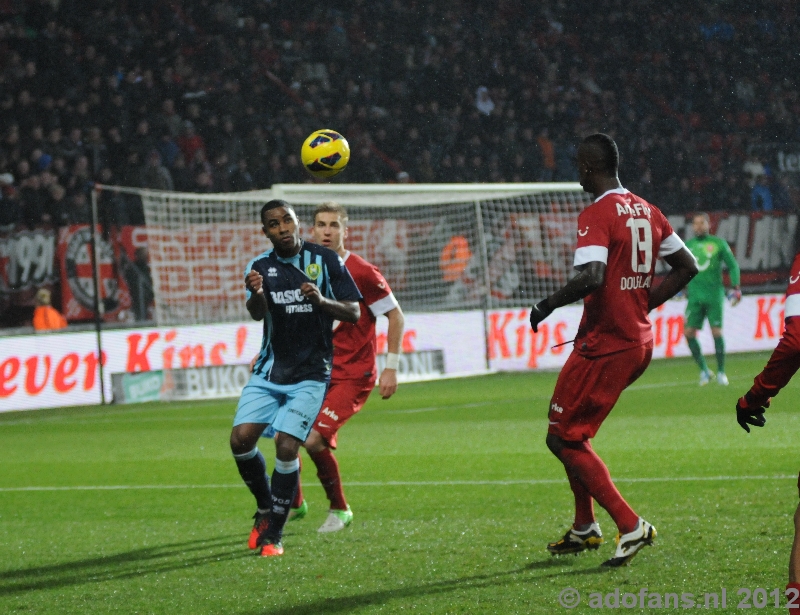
<point x="218" y="95"/>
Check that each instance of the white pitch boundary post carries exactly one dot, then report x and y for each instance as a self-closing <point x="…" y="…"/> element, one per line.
<point x="487" y="300"/>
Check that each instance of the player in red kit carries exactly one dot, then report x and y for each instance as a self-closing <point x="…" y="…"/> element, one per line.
<point x="782" y="365"/>
<point x="620" y="236"/>
<point x="354" y="369"/>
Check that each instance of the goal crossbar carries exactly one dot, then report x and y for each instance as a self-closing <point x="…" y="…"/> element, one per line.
<point x="441" y="246"/>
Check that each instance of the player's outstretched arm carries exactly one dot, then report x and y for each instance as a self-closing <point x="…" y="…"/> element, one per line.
<point x="346" y="311"/>
<point x="589" y="279"/>
<point x="684" y="268"/>
<point x="387" y="384"/>
<point x="257" y="303"/>
<point x="783" y="364"/>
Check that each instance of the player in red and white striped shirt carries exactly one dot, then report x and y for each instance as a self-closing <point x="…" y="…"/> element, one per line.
<point x="354" y="368"/>
<point x="782" y="365"/>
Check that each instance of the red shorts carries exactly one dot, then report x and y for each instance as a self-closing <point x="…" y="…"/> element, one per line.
<point x="588" y="387"/>
<point x="343" y="399"/>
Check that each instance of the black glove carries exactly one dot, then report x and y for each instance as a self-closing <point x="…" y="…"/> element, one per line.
<point x="539" y="312"/>
<point x="747" y="414"/>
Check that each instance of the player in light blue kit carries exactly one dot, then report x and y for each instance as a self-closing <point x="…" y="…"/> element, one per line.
<point x="298" y="289"/>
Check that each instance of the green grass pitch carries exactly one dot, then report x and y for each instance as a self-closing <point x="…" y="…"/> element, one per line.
<point x="139" y="509"/>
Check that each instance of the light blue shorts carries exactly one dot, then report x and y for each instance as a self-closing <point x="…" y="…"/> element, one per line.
<point x="289" y="408"/>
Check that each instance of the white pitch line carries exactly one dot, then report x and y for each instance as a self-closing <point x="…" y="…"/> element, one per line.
<point x="120" y="415"/>
<point x="407" y="483"/>
<point x="532" y="398"/>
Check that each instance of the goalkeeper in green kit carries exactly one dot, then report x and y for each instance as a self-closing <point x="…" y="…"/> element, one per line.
<point x="706" y="294"/>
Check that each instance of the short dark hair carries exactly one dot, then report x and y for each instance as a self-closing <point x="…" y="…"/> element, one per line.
<point x="607" y="153"/>
<point x="331" y="207"/>
<point x="274" y="204"/>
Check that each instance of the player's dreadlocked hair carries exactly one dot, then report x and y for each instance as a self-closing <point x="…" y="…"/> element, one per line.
<point x="274" y="204"/>
<point x="607" y="154"/>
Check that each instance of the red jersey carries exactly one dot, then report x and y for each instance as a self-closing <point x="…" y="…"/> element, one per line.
<point x="785" y="359"/>
<point x="792" y="307"/>
<point x="628" y="234"/>
<point x="354" y="344"/>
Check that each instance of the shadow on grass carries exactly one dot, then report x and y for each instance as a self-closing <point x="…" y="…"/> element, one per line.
<point x="150" y="560"/>
<point x="347" y="604"/>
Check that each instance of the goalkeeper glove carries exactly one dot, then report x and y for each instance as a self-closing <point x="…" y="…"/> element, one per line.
<point x="734" y="296"/>
<point x="747" y="415"/>
<point x="539" y="312"/>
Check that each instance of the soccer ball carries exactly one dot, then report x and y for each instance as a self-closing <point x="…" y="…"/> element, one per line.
<point x="325" y="153"/>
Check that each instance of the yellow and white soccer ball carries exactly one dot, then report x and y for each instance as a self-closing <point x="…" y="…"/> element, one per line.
<point x="325" y="153"/>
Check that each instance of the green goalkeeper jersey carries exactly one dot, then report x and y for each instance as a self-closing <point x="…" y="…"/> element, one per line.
<point x="710" y="253"/>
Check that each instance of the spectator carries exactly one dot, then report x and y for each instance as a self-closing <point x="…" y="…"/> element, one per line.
<point x="699" y="102"/>
<point x="753" y="169"/>
<point x="203" y="182"/>
<point x="231" y="143"/>
<point x="547" y="155"/>
<point x="112" y="209"/>
<point x="761" y="196"/>
<point x="154" y="174"/>
<point x="95" y="150"/>
<point x="58" y="207"/>
<point x="143" y="141"/>
<point x="454" y="258"/>
<point x="483" y="103"/>
<point x="181" y="174"/>
<point x="168" y="149"/>
<point x="140" y="284"/>
<point x="45" y="316"/>
<point x="200" y="162"/>
<point x="81" y="176"/>
<point x="170" y="122"/>
<point x="241" y="179"/>
<point x="10" y="212"/>
<point x="80" y="211"/>
<point x="781" y="197"/>
<point x="71" y="146"/>
<point x="33" y="199"/>
<point x="222" y="172"/>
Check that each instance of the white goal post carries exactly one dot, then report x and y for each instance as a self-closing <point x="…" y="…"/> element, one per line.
<point x="442" y="247"/>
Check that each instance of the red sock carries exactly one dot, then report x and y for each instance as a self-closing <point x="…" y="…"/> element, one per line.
<point x="583" y="462"/>
<point x="584" y="504"/>
<point x="328" y="473"/>
<point x="298" y="496"/>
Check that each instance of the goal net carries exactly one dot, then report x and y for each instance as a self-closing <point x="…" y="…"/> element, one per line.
<point x="442" y="247"/>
